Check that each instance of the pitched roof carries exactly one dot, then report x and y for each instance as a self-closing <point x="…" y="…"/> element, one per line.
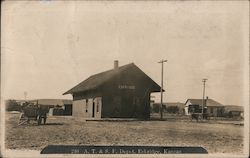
<point x="178" y="104"/>
<point x="67" y="101"/>
<point x="99" y="79"/>
<point x="174" y="104"/>
<point x="234" y="108"/>
<point x="209" y="102"/>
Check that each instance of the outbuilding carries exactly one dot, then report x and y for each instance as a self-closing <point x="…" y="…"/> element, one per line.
<point x="122" y="92"/>
<point x="211" y="107"/>
<point x="234" y="111"/>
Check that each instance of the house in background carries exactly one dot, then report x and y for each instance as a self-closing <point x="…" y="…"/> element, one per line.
<point x="122" y="92"/>
<point x="212" y="107"/>
<point x="234" y="111"/>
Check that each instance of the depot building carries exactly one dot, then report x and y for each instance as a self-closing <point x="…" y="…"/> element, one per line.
<point x="122" y="92"/>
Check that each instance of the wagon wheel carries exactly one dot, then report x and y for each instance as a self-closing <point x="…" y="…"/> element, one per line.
<point x="39" y="120"/>
<point x="22" y="119"/>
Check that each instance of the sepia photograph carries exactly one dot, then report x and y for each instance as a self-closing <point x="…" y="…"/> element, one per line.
<point x="124" y="78"/>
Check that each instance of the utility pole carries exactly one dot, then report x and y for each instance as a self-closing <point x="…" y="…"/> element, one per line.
<point x="25" y="95"/>
<point x="204" y="85"/>
<point x="161" y="109"/>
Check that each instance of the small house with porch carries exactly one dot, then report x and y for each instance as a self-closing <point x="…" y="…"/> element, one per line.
<point x="211" y="107"/>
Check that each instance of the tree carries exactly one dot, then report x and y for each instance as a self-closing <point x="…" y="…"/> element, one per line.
<point x="12" y="105"/>
<point x="172" y="109"/>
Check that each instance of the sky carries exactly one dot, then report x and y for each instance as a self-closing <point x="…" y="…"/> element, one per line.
<point x="50" y="46"/>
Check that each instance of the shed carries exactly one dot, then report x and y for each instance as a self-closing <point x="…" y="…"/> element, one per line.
<point x="122" y="92"/>
<point x="234" y="111"/>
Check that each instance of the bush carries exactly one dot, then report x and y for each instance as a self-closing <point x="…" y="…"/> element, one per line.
<point x="172" y="109"/>
<point x="12" y="105"/>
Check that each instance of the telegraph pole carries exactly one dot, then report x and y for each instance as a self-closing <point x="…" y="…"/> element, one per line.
<point x="204" y="85"/>
<point x="25" y="95"/>
<point x="161" y="109"/>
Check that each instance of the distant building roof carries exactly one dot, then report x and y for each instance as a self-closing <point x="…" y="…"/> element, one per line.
<point x="99" y="79"/>
<point x="174" y="104"/>
<point x="171" y="104"/>
<point x="20" y="100"/>
<point x="208" y="102"/>
<point x="59" y="102"/>
<point x="234" y="108"/>
<point x="67" y="102"/>
<point x="178" y="104"/>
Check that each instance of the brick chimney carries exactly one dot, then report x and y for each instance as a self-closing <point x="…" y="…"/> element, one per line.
<point x="116" y="64"/>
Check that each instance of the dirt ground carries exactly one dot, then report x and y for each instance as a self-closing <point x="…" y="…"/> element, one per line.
<point x="215" y="137"/>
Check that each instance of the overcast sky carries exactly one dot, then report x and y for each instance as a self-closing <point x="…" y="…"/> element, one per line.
<point x="50" y="46"/>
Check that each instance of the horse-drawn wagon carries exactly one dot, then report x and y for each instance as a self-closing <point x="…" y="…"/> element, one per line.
<point x="199" y="116"/>
<point x="34" y="113"/>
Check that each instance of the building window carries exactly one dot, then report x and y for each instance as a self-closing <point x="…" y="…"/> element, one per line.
<point x="97" y="106"/>
<point x="86" y="105"/>
<point x="212" y="110"/>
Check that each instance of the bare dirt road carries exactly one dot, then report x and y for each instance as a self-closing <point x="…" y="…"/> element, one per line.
<point x="215" y="137"/>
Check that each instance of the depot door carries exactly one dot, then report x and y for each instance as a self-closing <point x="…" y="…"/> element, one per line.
<point x="93" y="109"/>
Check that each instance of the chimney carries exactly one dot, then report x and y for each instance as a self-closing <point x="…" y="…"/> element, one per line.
<point x="206" y="101"/>
<point x="116" y="64"/>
